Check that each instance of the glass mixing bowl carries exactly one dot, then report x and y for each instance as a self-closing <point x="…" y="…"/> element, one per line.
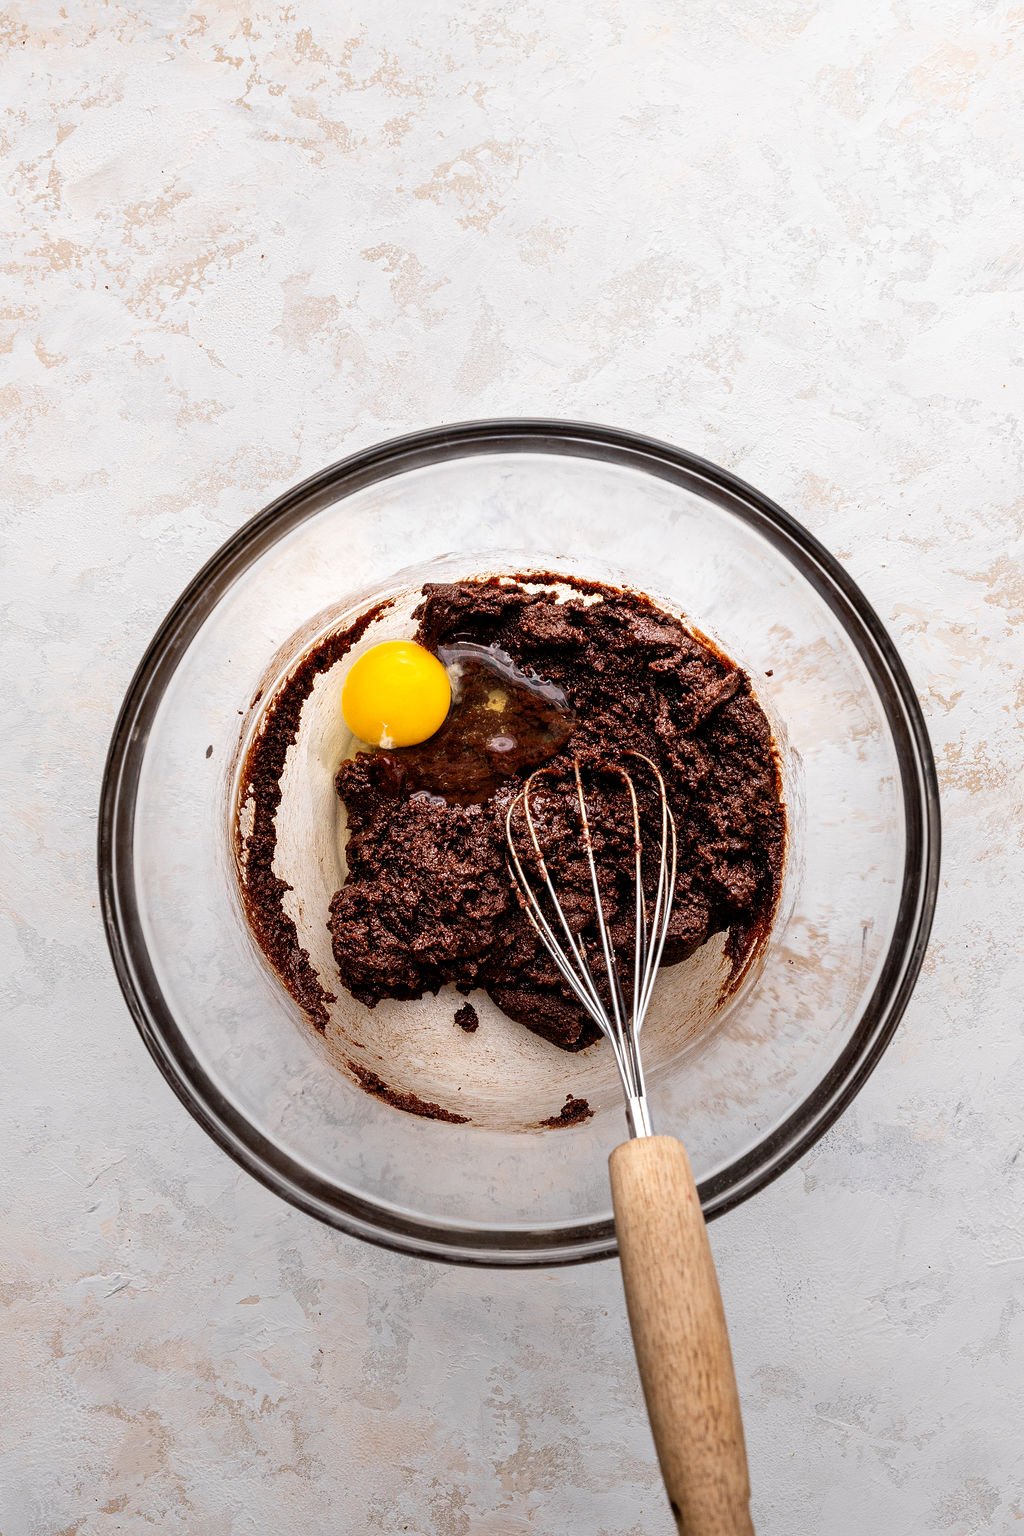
<point x="749" y="1092"/>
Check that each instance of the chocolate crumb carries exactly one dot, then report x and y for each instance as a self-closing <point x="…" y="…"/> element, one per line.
<point x="573" y="1112"/>
<point x="209" y="750"/>
<point x="466" y="1018"/>
<point x="410" y="1102"/>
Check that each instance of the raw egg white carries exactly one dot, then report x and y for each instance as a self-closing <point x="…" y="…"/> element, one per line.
<point x="395" y="695"/>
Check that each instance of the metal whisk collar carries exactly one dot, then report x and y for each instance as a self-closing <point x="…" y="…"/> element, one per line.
<point x="623" y="1020"/>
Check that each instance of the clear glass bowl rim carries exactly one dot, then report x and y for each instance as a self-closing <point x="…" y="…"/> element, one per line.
<point x="519" y="1246"/>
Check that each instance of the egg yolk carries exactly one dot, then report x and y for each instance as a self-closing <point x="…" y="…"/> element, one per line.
<point x="395" y="695"/>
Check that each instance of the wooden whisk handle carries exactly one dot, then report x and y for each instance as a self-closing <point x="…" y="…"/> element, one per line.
<point x="680" y="1336"/>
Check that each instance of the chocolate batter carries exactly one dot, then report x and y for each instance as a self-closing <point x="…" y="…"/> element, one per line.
<point x="262" y="890"/>
<point x="410" y="1102"/>
<point x="573" y="1112"/>
<point x="466" y="1018"/>
<point x="428" y="899"/>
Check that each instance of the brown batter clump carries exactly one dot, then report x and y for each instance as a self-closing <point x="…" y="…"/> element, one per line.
<point x="428" y="899"/>
<point x="573" y="1112"/>
<point x="466" y="1018"/>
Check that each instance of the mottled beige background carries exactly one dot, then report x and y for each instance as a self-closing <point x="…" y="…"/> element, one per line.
<point x="245" y="238"/>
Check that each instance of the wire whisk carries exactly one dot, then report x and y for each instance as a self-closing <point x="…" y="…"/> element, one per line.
<point x="675" y="1307"/>
<point x="619" y="1018"/>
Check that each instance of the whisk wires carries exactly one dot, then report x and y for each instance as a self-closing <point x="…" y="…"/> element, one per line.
<point x="619" y="1021"/>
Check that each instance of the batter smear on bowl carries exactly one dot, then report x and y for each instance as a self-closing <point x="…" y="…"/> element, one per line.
<point x="546" y="679"/>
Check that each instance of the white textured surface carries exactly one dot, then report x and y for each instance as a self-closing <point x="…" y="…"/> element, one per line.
<point x="245" y="238"/>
